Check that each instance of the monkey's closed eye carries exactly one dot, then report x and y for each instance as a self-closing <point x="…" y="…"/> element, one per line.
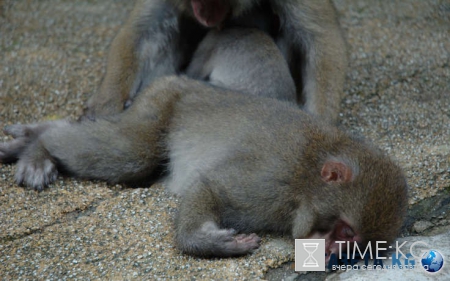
<point x="347" y="232"/>
<point x="344" y="232"/>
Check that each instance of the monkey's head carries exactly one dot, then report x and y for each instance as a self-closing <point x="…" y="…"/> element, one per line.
<point x="368" y="202"/>
<point x="212" y="13"/>
<point x="384" y="194"/>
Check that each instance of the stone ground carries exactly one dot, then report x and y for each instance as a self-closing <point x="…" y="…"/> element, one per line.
<point x="52" y="57"/>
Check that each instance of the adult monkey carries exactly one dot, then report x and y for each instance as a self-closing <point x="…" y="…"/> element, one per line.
<point x="160" y="37"/>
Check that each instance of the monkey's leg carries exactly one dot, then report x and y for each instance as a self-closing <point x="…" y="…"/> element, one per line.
<point x="312" y="27"/>
<point x="121" y="148"/>
<point x="324" y="77"/>
<point x="145" y="48"/>
<point x="23" y="135"/>
<point x="105" y="149"/>
<point x="197" y="227"/>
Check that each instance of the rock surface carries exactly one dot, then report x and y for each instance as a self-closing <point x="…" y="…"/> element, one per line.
<point x="52" y="57"/>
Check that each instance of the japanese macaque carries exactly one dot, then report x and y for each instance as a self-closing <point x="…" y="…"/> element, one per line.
<point x="243" y="165"/>
<point x="245" y="60"/>
<point x="161" y="36"/>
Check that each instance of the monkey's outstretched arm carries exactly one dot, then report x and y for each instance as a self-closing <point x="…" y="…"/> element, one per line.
<point x="197" y="227"/>
<point x="145" y="48"/>
<point x="314" y="46"/>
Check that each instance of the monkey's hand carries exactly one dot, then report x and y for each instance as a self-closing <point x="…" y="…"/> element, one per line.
<point x="228" y="244"/>
<point x="210" y="240"/>
<point x="243" y="243"/>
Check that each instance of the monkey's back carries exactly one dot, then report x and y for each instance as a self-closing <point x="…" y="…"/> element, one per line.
<point x="245" y="60"/>
<point x="249" y="147"/>
<point x="263" y="160"/>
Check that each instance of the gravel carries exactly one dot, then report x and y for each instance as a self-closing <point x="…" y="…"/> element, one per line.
<point x="52" y="58"/>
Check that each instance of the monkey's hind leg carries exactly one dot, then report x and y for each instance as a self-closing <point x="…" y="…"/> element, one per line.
<point x="125" y="148"/>
<point x="111" y="150"/>
<point x="197" y="227"/>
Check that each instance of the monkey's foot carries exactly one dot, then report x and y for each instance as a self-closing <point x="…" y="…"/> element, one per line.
<point x="24" y="136"/>
<point x="10" y="151"/>
<point x="36" y="174"/>
<point x="31" y="131"/>
<point x="35" y="167"/>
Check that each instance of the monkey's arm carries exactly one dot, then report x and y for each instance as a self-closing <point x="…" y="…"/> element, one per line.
<point x="197" y="227"/>
<point x="144" y="49"/>
<point x="310" y="34"/>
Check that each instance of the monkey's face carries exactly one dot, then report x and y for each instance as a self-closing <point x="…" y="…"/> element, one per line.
<point x="368" y="203"/>
<point x="212" y="13"/>
<point x="333" y="229"/>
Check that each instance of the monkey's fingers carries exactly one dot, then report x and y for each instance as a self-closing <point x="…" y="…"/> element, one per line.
<point x="32" y="131"/>
<point x="248" y="237"/>
<point x="242" y="244"/>
<point x="16" y="131"/>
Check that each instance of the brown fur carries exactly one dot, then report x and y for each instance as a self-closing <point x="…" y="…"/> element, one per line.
<point x="242" y="164"/>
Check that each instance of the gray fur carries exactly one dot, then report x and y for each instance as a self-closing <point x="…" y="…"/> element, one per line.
<point x="244" y="60"/>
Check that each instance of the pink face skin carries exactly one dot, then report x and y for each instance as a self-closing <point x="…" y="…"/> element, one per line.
<point x="342" y="232"/>
<point x="210" y="13"/>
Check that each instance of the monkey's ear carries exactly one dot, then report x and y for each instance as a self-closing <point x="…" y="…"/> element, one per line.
<point x="336" y="171"/>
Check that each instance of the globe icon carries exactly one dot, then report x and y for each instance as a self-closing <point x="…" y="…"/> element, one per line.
<point x="432" y="261"/>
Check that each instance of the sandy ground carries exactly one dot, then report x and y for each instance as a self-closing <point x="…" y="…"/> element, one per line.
<point x="52" y="56"/>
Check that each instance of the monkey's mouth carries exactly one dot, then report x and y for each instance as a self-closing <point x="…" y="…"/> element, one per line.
<point x="341" y="236"/>
<point x="210" y="13"/>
